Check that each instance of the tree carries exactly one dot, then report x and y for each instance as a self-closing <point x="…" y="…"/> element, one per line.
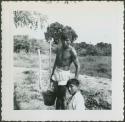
<point x="100" y="49"/>
<point x="56" y="30"/>
<point x="70" y="33"/>
<point x="21" y="43"/>
<point x="103" y="48"/>
<point x="33" y="20"/>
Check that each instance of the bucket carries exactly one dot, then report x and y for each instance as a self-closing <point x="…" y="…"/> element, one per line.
<point x="49" y="97"/>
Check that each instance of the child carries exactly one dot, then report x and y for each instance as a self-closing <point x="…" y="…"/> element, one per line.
<point x="76" y="101"/>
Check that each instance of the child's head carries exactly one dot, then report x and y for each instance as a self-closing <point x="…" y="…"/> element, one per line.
<point x="73" y="86"/>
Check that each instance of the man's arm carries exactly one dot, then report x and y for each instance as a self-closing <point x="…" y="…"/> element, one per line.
<point x="55" y="64"/>
<point x="54" y="67"/>
<point x="76" y="62"/>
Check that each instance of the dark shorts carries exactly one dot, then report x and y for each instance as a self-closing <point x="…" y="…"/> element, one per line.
<point x="60" y="91"/>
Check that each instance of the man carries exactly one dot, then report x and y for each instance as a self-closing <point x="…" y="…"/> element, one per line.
<point x="65" y="55"/>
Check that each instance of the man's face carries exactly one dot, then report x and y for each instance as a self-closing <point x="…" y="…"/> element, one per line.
<point x="72" y="89"/>
<point x="66" y="43"/>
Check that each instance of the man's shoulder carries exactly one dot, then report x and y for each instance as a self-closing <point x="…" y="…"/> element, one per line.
<point x="71" y="47"/>
<point x="73" y="51"/>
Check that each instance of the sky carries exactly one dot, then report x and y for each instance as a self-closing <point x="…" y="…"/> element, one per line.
<point x="93" y="21"/>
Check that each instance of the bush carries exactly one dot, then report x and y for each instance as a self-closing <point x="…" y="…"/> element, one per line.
<point x="22" y="42"/>
<point x="100" y="49"/>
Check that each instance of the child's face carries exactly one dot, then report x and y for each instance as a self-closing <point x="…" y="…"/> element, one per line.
<point x="72" y="89"/>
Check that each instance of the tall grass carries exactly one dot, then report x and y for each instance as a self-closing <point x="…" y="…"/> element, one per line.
<point x="27" y="94"/>
<point x="98" y="66"/>
<point x="26" y="87"/>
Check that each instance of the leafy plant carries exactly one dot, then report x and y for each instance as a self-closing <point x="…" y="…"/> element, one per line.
<point x="56" y="30"/>
<point x="33" y="19"/>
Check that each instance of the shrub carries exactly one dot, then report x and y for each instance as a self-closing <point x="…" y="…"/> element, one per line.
<point x="100" y="49"/>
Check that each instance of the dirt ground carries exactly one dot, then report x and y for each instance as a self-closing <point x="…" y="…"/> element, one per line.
<point x="27" y="94"/>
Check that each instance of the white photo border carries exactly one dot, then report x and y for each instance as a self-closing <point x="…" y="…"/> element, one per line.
<point x="9" y="114"/>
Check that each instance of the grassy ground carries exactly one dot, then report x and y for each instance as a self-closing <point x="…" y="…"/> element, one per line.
<point x="98" y="66"/>
<point x="27" y="94"/>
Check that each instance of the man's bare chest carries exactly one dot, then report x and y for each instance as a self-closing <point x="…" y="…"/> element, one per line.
<point x="64" y="55"/>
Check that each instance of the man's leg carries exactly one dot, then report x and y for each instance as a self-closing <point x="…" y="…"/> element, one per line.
<point x="61" y="93"/>
<point x="63" y="104"/>
<point x="58" y="104"/>
<point x="58" y="101"/>
<point x="56" y="90"/>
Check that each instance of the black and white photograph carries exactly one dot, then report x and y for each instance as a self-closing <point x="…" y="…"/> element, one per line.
<point x="62" y="60"/>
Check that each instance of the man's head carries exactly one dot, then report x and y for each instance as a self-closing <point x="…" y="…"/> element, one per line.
<point x="73" y="86"/>
<point x="65" y="41"/>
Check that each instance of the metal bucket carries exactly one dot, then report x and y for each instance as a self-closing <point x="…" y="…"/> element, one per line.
<point x="49" y="97"/>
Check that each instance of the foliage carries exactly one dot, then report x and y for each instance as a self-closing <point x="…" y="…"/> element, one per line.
<point x="100" y="49"/>
<point x="22" y="42"/>
<point x="56" y="30"/>
<point x="33" y="20"/>
<point x="70" y="33"/>
<point x="104" y="47"/>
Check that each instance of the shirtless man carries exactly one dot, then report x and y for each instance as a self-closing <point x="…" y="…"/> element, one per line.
<point x="65" y="55"/>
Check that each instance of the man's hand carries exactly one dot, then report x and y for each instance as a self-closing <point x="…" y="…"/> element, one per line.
<point x="51" y="80"/>
<point x="51" y="85"/>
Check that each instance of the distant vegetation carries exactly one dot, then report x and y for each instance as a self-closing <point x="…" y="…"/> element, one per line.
<point x="22" y="42"/>
<point x="100" y="49"/>
<point x="35" y="20"/>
